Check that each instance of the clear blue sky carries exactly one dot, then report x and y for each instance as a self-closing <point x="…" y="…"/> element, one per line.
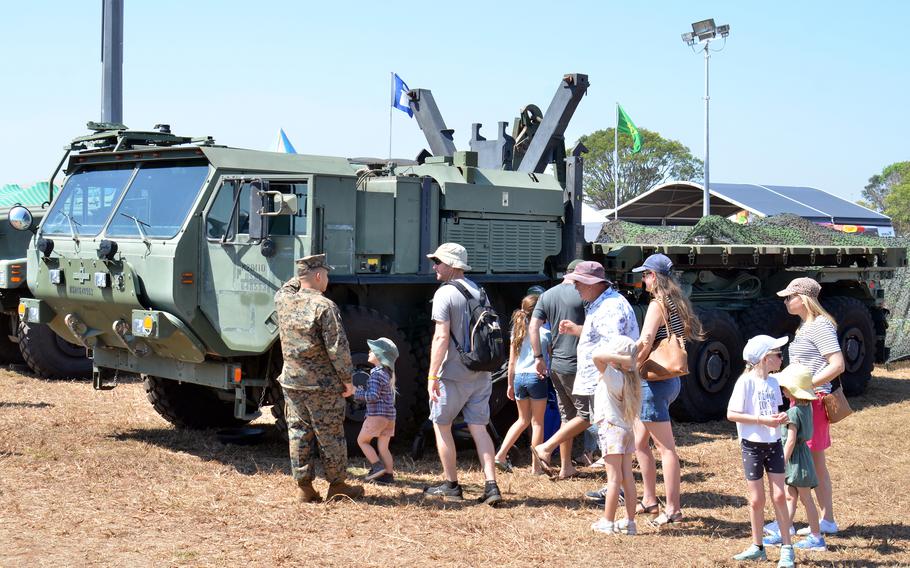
<point x="804" y="93"/>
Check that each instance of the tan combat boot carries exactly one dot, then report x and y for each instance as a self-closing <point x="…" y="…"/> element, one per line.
<point x="343" y="488"/>
<point x="306" y="493"/>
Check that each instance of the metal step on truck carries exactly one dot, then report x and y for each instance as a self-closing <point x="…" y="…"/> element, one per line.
<point x="161" y="255"/>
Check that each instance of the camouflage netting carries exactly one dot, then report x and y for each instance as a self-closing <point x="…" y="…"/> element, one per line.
<point x="784" y="229"/>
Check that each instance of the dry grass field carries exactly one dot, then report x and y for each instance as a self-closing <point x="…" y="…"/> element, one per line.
<point x="98" y="479"/>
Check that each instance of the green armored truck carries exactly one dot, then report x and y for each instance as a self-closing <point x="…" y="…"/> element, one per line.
<point x="161" y="256"/>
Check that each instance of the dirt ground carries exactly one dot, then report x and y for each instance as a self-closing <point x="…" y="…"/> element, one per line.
<point x="98" y="479"/>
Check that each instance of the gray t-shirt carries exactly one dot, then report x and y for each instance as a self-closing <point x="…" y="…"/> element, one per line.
<point x="451" y="306"/>
<point x="559" y="303"/>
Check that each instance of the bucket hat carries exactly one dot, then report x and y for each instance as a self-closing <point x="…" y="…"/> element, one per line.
<point x="385" y="350"/>
<point x="798" y="380"/>
<point x="587" y="272"/>
<point x="452" y="254"/>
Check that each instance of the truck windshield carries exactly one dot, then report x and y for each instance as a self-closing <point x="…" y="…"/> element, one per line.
<point x="160" y="199"/>
<point x="85" y="202"/>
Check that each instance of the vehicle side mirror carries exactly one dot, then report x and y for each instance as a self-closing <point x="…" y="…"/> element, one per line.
<point x="20" y="218"/>
<point x="259" y="201"/>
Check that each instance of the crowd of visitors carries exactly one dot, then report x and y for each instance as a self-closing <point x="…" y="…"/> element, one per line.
<point x="581" y="338"/>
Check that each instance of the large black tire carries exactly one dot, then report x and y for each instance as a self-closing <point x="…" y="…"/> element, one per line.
<point x="856" y="334"/>
<point x="768" y="317"/>
<point x="360" y="324"/>
<point x="186" y="405"/>
<point x="714" y="365"/>
<point x="50" y="356"/>
<point x="9" y="349"/>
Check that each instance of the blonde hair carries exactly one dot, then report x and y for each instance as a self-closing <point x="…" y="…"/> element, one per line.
<point x="815" y="309"/>
<point x="631" y="390"/>
<point x="520" y="320"/>
<point x="666" y="288"/>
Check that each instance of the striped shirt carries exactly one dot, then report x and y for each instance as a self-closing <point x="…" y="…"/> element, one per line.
<point x="378" y="394"/>
<point x="676" y="323"/>
<point x="814" y="340"/>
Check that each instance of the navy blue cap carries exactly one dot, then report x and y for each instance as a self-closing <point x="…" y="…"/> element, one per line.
<point x="658" y="263"/>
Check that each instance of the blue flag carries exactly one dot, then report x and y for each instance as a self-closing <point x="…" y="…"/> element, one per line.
<point x="400" y="95"/>
<point x="284" y="145"/>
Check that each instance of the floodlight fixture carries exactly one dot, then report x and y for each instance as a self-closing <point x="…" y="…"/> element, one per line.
<point x="723" y="30"/>
<point x="689" y="38"/>
<point x="704" y="29"/>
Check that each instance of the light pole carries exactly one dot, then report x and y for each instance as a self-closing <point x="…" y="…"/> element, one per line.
<point x="705" y="32"/>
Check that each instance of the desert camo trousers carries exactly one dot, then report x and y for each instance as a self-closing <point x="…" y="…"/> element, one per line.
<point x="316" y="417"/>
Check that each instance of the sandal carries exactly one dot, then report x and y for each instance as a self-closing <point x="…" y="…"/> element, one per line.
<point x="664" y="519"/>
<point x="545" y="463"/>
<point x="641" y="508"/>
<point x="505" y="467"/>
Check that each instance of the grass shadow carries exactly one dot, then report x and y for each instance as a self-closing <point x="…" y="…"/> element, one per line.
<point x="25" y="405"/>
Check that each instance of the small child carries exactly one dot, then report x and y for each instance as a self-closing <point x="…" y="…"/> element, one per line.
<point x="379" y="396"/>
<point x="617" y="404"/>
<point x="754" y="406"/>
<point x="796" y="383"/>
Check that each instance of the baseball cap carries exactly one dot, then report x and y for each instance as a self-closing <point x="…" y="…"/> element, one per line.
<point x="452" y="254"/>
<point x="798" y="380"/>
<point x="312" y="262"/>
<point x="573" y="264"/>
<point x="658" y="263"/>
<point x="385" y="350"/>
<point x="758" y="347"/>
<point x="587" y="272"/>
<point x="536" y="290"/>
<point x="804" y="286"/>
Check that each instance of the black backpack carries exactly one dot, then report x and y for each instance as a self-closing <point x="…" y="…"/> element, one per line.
<point x="487" y="348"/>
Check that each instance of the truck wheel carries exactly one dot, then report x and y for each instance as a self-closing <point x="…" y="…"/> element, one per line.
<point x="360" y="324"/>
<point x="9" y="349"/>
<point x="856" y="333"/>
<point x="50" y="356"/>
<point x="186" y="405"/>
<point x="714" y="365"/>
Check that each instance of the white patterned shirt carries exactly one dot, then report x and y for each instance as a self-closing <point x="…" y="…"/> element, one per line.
<point x="607" y="316"/>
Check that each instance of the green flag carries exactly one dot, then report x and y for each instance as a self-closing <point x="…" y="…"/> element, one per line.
<point x="624" y="124"/>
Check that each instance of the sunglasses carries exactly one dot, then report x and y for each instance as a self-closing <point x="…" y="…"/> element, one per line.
<point x="775" y="352"/>
<point x="436" y="261"/>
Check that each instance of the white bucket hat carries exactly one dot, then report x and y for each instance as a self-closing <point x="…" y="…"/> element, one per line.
<point x="452" y="254"/>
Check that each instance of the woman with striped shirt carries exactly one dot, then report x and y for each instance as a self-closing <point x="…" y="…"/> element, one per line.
<point x="668" y="305"/>
<point x="816" y="347"/>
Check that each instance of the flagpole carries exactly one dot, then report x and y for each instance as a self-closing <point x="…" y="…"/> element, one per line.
<point x="392" y="80"/>
<point x="616" y="166"/>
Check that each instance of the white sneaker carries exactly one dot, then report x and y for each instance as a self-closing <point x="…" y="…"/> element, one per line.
<point x="772" y="528"/>
<point x="625" y="526"/>
<point x="603" y="526"/>
<point x="826" y="527"/>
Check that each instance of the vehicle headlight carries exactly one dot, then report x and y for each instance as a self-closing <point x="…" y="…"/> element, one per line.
<point x="101" y="279"/>
<point x="56" y="276"/>
<point x="143" y="326"/>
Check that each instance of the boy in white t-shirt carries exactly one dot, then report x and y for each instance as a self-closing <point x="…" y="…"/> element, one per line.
<point x="754" y="406"/>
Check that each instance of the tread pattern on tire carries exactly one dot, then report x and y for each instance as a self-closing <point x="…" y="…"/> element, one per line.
<point x="852" y="313"/>
<point x="188" y="405"/>
<point x="41" y="351"/>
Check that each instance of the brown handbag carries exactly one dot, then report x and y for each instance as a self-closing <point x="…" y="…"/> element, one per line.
<point x="836" y="406"/>
<point x="668" y="359"/>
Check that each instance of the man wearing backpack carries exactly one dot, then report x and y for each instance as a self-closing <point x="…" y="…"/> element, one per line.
<point x="454" y="388"/>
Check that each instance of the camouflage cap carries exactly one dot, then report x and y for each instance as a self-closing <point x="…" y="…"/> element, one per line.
<point x="312" y="262"/>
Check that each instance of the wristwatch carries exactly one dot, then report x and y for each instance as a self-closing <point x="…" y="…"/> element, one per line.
<point x="539" y="356"/>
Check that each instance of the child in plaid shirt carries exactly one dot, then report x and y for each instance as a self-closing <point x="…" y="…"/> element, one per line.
<point x="379" y="396"/>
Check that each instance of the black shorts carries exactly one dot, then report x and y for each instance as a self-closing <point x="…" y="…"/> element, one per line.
<point x="759" y="457"/>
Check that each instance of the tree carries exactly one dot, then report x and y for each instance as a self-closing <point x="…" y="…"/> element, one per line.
<point x="658" y="161"/>
<point x="889" y="193"/>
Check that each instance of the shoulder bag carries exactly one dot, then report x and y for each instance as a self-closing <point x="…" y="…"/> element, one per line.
<point x="668" y="358"/>
<point x="836" y="406"/>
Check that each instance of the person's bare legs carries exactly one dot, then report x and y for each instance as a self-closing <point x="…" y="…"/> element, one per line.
<point x="515" y="430"/>
<point x="485" y="449"/>
<point x="757" y="509"/>
<point x="538" y="409"/>
<point x="645" y="463"/>
<point x="384" y="453"/>
<point x="823" y="492"/>
<point x="779" y="499"/>
<point x="613" y="466"/>
<point x="662" y="434"/>
<point x="805" y="495"/>
<point x="363" y="440"/>
<point x="628" y="486"/>
<point x="445" y="445"/>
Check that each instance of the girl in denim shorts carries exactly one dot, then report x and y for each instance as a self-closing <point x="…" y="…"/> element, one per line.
<point x="617" y="402"/>
<point x="526" y="388"/>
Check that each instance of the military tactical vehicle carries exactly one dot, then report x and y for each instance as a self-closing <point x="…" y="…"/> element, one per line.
<point x="162" y="254"/>
<point x="45" y="352"/>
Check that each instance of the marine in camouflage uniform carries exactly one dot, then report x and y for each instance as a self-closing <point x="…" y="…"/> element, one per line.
<point x="317" y="365"/>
